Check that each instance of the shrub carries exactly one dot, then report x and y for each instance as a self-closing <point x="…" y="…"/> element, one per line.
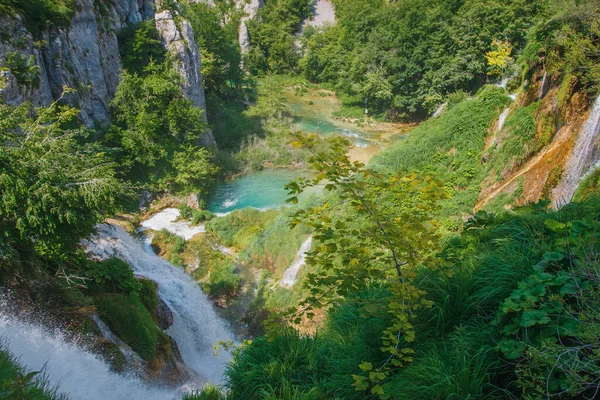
<point x="112" y="276"/>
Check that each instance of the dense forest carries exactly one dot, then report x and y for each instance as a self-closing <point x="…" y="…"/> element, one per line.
<point x="444" y="267"/>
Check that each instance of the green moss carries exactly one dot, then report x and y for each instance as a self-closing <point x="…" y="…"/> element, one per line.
<point x="149" y="296"/>
<point x="128" y="318"/>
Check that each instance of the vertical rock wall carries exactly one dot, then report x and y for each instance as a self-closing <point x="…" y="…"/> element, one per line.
<point x="85" y="56"/>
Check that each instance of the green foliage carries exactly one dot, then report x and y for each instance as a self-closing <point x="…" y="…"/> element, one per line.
<point x="551" y="319"/>
<point x="272" y="36"/>
<point x="406" y="57"/>
<point x="158" y="129"/>
<point x="170" y="246"/>
<point x="195" y="216"/>
<point x="217" y="38"/>
<point x="450" y="148"/>
<point x="16" y="383"/>
<point x="112" y="276"/>
<point x="518" y="140"/>
<point x="127" y="317"/>
<point x="223" y="280"/>
<point x="194" y="169"/>
<point x="568" y="39"/>
<point x="25" y="69"/>
<point x="55" y="188"/>
<point x="149" y="296"/>
<point x="386" y="229"/>
<point x="39" y="14"/>
<point x="208" y="392"/>
<point x="139" y="45"/>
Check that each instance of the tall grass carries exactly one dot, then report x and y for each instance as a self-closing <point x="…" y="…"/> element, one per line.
<point x="18" y="383"/>
<point x="450" y="148"/>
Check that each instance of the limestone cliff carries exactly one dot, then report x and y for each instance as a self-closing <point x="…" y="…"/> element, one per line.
<point x="85" y="56"/>
<point x="250" y="8"/>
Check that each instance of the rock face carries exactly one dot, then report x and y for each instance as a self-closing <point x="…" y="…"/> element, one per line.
<point x="250" y="8"/>
<point x="85" y="57"/>
<point x="179" y="40"/>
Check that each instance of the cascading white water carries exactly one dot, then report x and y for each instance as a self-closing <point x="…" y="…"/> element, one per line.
<point x="167" y="219"/>
<point x="440" y="110"/>
<point x="291" y="274"/>
<point x="196" y="327"/>
<point x="543" y="88"/>
<point x="583" y="157"/>
<point x="71" y="368"/>
<point x="502" y="119"/>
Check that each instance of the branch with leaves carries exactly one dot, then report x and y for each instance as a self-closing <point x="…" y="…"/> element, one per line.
<point x="384" y="230"/>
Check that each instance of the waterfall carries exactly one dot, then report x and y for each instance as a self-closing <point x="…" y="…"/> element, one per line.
<point x="69" y="367"/>
<point x="440" y="110"/>
<point x="290" y="274"/>
<point x="543" y="88"/>
<point x="502" y="118"/>
<point x="167" y="219"/>
<point x="196" y="327"/>
<point x="583" y="157"/>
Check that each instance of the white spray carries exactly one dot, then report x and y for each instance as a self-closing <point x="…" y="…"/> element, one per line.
<point x="291" y="274"/>
<point x="196" y="327"/>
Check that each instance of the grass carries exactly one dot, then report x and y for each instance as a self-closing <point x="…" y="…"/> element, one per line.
<point x="450" y="148"/>
<point x="518" y="141"/>
<point x="18" y="383"/>
<point x="456" y="347"/>
<point x="169" y="246"/>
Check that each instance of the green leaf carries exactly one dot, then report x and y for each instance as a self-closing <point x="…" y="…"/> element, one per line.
<point x="365" y="366"/>
<point x="534" y="317"/>
<point x="377" y="389"/>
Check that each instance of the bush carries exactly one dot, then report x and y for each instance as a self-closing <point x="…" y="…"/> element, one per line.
<point x="127" y="317"/>
<point x="112" y="276"/>
<point x="223" y="280"/>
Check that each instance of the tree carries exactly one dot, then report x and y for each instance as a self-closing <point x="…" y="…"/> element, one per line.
<point x="152" y="121"/>
<point x="194" y="169"/>
<point x="499" y="58"/>
<point x="381" y="230"/>
<point x="55" y="187"/>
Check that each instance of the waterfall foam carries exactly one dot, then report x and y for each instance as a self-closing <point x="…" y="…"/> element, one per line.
<point x="291" y="274"/>
<point x="585" y="155"/>
<point x="543" y="86"/>
<point x="167" y="219"/>
<point x="196" y="327"/>
<point x="502" y="119"/>
<point x="71" y="368"/>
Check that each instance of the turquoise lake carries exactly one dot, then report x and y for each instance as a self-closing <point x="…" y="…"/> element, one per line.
<point x="259" y="189"/>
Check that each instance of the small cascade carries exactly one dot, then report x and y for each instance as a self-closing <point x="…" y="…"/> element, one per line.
<point x="502" y="119"/>
<point x="583" y="158"/>
<point x="196" y="327"/>
<point x="440" y="110"/>
<point x="543" y="86"/>
<point x="503" y="83"/>
<point x="167" y="219"/>
<point x="69" y="366"/>
<point x="291" y="274"/>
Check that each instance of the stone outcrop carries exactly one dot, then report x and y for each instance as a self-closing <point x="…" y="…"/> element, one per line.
<point x="250" y="8"/>
<point x="178" y="38"/>
<point x="85" y="57"/>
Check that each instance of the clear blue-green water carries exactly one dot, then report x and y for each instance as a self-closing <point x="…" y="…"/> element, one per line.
<point x="258" y="189"/>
